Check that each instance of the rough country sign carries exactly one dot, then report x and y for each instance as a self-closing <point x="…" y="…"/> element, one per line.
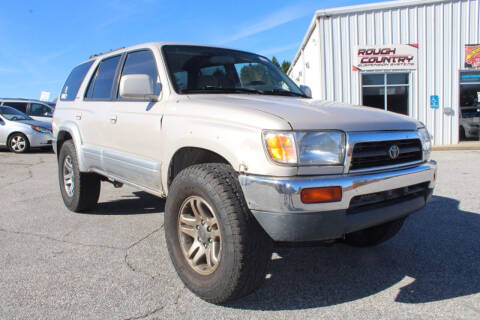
<point x="386" y="57"/>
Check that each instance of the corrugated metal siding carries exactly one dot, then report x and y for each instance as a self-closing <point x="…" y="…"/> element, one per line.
<point x="441" y="30"/>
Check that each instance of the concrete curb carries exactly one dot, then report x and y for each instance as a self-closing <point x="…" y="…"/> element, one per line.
<point x="474" y="145"/>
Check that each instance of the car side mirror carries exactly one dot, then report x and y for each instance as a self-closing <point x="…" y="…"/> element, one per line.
<point x="137" y="86"/>
<point x="306" y="90"/>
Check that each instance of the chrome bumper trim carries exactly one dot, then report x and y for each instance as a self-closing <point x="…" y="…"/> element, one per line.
<point x="282" y="194"/>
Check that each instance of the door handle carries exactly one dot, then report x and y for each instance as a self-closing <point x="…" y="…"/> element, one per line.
<point x="113" y="119"/>
<point x="78" y="116"/>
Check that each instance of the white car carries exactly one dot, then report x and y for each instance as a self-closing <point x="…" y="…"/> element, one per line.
<point x="19" y="132"/>
<point x="35" y="109"/>
<point x="243" y="155"/>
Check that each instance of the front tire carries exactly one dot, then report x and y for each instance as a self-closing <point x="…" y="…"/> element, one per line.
<point x="217" y="247"/>
<point x="18" y="143"/>
<point x="80" y="191"/>
<point x="374" y="235"/>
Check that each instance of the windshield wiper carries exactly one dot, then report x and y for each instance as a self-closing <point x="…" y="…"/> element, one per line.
<point x="281" y="92"/>
<point x="212" y="89"/>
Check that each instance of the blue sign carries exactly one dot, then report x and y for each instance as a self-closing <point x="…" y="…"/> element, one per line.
<point x="470" y="77"/>
<point x="434" y="102"/>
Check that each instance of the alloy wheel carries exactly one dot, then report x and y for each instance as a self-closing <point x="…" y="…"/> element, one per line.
<point x="68" y="176"/>
<point x="199" y="235"/>
<point x="18" y="143"/>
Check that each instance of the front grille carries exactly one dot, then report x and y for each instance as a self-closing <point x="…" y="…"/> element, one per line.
<point x="376" y="154"/>
<point x="386" y="198"/>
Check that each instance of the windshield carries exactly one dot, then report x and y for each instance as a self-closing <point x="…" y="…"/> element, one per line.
<point x="195" y="69"/>
<point x="13" y="114"/>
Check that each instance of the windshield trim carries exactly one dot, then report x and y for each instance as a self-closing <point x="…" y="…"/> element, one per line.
<point x="203" y="91"/>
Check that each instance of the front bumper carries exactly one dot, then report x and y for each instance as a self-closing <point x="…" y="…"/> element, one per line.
<point x="38" y="139"/>
<point x="276" y="203"/>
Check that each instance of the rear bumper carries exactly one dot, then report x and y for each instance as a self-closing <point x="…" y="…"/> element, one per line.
<point x="276" y="203"/>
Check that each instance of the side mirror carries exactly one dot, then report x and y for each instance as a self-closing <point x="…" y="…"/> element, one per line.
<point x="137" y="86"/>
<point x="306" y="90"/>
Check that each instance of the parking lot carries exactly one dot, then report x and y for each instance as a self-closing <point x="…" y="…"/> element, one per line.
<point x="113" y="263"/>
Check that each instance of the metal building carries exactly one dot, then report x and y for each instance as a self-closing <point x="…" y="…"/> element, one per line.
<point x="419" y="58"/>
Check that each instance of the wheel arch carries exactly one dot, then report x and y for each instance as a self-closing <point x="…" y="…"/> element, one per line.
<point x="15" y="132"/>
<point x="188" y="156"/>
<point x="70" y="131"/>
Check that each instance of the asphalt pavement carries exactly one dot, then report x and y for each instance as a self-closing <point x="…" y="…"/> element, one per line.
<point x="112" y="263"/>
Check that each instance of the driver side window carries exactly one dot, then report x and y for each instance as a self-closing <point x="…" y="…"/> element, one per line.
<point x="39" y="110"/>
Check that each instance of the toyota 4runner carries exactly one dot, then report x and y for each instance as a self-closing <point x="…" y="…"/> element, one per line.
<point x="243" y="156"/>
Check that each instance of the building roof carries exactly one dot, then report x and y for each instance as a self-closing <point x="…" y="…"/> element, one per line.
<point x="359" y="9"/>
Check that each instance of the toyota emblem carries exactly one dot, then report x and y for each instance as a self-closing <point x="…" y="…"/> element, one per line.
<point x="393" y="151"/>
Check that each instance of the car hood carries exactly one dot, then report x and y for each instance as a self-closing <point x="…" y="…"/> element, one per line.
<point x="41" y="124"/>
<point x="309" y="114"/>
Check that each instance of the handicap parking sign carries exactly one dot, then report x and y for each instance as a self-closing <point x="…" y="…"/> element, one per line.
<point x="434" y="102"/>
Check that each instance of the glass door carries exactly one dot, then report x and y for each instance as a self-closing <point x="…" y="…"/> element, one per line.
<point x="469" y="105"/>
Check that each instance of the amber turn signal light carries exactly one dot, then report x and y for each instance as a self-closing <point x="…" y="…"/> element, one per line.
<point x="321" y="194"/>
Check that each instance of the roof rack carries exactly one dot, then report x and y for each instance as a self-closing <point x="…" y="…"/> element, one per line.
<point x="101" y="53"/>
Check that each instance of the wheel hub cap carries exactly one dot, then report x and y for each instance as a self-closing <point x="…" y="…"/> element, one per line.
<point x="18" y="143"/>
<point x="68" y="176"/>
<point x="199" y="235"/>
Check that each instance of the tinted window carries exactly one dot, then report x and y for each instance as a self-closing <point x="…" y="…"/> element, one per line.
<point x="397" y="78"/>
<point x="20" y="106"/>
<point x="101" y="85"/>
<point x="388" y="91"/>
<point x="142" y="62"/>
<point x="40" y="110"/>
<point x="74" y="80"/>
<point x="372" y="79"/>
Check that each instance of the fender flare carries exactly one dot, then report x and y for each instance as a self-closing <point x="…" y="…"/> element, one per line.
<point x="72" y="129"/>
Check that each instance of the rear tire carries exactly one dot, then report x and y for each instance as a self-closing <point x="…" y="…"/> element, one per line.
<point x="18" y="143"/>
<point x="374" y="235"/>
<point x="80" y="191"/>
<point x="244" y="247"/>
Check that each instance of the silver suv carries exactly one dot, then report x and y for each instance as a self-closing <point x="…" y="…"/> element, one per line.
<point x="243" y="156"/>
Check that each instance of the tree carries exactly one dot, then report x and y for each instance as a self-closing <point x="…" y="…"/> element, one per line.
<point x="275" y="62"/>
<point x="285" y="66"/>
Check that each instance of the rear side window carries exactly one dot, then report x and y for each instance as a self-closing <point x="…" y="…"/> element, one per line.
<point x="74" y="80"/>
<point x="100" y="87"/>
<point x="20" y="106"/>
<point x="142" y="62"/>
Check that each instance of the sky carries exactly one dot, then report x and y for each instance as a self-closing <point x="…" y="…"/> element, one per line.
<point x="42" y="40"/>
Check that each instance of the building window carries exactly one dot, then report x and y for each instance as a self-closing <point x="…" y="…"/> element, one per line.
<point x="387" y="91"/>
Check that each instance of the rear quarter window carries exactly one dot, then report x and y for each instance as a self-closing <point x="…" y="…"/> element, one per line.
<point x="74" y="81"/>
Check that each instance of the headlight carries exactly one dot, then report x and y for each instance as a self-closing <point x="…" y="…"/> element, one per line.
<point x="426" y="142"/>
<point x="40" y="129"/>
<point x="306" y="148"/>
<point x="281" y="147"/>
